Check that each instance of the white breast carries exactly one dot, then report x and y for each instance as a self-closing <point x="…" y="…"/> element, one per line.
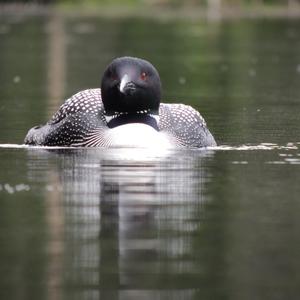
<point x="137" y="135"/>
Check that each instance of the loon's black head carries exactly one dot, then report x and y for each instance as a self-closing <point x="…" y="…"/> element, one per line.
<point x="130" y="85"/>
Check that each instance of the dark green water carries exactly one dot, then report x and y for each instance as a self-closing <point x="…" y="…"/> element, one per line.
<point x="128" y="224"/>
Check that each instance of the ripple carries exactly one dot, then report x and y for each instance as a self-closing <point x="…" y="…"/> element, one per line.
<point x="23" y="146"/>
<point x="11" y="189"/>
<point x="242" y="162"/>
<point x="245" y="147"/>
<point x="262" y="146"/>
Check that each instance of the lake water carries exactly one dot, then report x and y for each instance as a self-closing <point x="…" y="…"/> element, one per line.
<point x="219" y="223"/>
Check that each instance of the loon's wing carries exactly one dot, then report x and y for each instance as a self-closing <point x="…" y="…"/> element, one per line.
<point x="79" y="115"/>
<point x="185" y="124"/>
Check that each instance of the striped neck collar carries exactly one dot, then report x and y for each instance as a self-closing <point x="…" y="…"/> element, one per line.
<point x="128" y="118"/>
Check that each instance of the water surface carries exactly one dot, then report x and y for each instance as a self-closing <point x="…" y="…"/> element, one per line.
<point x="218" y="223"/>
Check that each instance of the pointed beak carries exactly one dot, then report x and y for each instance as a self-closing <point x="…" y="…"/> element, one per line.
<point x="124" y="81"/>
<point x="127" y="86"/>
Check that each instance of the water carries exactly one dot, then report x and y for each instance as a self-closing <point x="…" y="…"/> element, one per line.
<point x="219" y="223"/>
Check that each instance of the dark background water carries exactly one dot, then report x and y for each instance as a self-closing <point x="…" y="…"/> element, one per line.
<point x="127" y="224"/>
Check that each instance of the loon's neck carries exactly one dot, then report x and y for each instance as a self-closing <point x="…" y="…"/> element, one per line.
<point x="127" y="118"/>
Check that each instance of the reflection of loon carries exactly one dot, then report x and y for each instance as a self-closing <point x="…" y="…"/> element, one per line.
<point x="126" y="224"/>
<point x="128" y="113"/>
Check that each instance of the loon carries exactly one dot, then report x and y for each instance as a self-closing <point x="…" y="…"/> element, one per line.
<point x="126" y="111"/>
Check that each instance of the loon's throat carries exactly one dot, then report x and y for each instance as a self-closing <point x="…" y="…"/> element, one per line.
<point x="127" y="118"/>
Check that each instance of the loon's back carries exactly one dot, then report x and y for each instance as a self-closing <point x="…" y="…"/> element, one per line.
<point x="81" y="121"/>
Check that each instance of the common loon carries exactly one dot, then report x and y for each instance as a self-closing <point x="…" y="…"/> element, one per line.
<point x="126" y="111"/>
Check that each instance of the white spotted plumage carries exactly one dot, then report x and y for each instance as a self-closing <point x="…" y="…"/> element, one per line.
<point x="81" y="121"/>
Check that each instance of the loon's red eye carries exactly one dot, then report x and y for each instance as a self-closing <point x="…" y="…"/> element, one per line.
<point x="143" y="76"/>
<point x="113" y="76"/>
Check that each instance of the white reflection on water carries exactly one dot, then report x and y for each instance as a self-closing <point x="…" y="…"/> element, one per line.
<point x="120" y="215"/>
<point x="11" y="189"/>
<point x="262" y="146"/>
<point x="137" y="154"/>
